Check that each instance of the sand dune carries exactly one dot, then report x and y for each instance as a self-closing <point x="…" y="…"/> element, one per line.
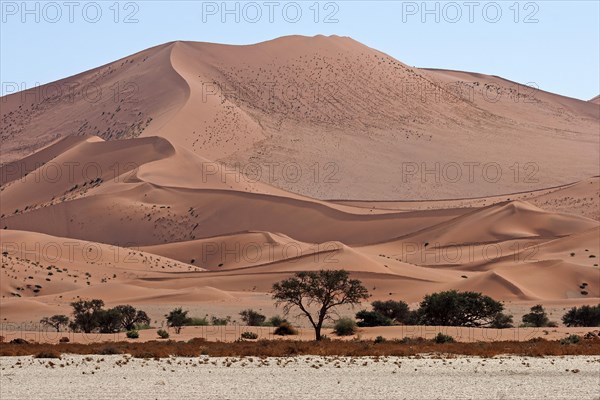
<point x="331" y="109"/>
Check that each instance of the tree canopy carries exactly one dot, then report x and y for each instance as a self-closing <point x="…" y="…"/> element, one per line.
<point x="319" y="290"/>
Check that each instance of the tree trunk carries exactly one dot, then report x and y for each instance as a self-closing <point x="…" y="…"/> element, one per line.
<point x="318" y="333"/>
<point x="318" y="330"/>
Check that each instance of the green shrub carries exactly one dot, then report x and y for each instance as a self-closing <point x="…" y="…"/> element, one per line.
<point x="249" y="335"/>
<point x="380" y="339"/>
<point x="133" y="334"/>
<point x="162" y="334"/>
<point x="582" y="316"/>
<point x="502" y="321"/>
<point x="276" y="320"/>
<point x="252" y="318"/>
<point x="394" y="310"/>
<point x="441" y="338"/>
<point x="177" y="318"/>
<point x="220" y="321"/>
<point x="571" y="339"/>
<point x="372" y="318"/>
<point x="64" y="339"/>
<point x="197" y="322"/>
<point x="537" y="317"/>
<point x="344" y="327"/>
<point x="410" y="340"/>
<point x="285" y="329"/>
<point x="453" y="308"/>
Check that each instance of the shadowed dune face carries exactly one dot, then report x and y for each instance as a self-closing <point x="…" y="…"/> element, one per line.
<point x="201" y="191"/>
<point x="319" y="116"/>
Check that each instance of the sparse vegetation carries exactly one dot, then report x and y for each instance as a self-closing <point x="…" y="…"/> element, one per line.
<point x="220" y="321"/>
<point x="162" y="334"/>
<point x="249" y="335"/>
<point x="397" y="311"/>
<point x="285" y="329"/>
<point x="372" y="318"/>
<point x="537" y="317"/>
<point x="55" y="321"/>
<point x="502" y="321"/>
<point x="252" y="318"/>
<point x="442" y="338"/>
<point x="177" y="319"/>
<point x="582" y="316"/>
<point x="345" y="327"/>
<point x="571" y="339"/>
<point x="453" y="308"/>
<point x="133" y="334"/>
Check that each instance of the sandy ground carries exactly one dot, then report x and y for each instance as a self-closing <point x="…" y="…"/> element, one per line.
<point x="307" y="377"/>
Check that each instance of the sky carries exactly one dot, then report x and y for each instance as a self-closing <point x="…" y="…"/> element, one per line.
<point x="553" y="45"/>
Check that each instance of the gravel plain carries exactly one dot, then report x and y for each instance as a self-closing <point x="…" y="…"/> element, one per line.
<point x="304" y="377"/>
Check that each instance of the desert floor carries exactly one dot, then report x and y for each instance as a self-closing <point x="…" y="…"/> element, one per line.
<point x="306" y="377"/>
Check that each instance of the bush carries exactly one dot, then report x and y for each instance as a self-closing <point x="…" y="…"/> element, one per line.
<point x="582" y="316"/>
<point x="108" y="321"/>
<point x="86" y="315"/>
<point x="410" y="340"/>
<point x="537" y="317"/>
<point x="47" y="354"/>
<point x="285" y="329"/>
<point x="194" y="321"/>
<point x="380" y="339"/>
<point x="220" y="321"/>
<point x="441" y="338"/>
<point x="571" y="339"/>
<point x="394" y="310"/>
<point x="372" y="318"/>
<point x="64" y="339"/>
<point x="502" y="321"/>
<point x="453" y="308"/>
<point x="276" y="320"/>
<point x="162" y="334"/>
<point x="55" y="321"/>
<point x="252" y="318"/>
<point x="133" y="334"/>
<point x="89" y="316"/>
<point x="249" y="335"/>
<point x="178" y="318"/>
<point x="344" y="327"/>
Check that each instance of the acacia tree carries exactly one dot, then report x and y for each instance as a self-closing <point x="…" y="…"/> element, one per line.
<point x="178" y="318"/>
<point x="452" y="308"/>
<point x="536" y="317"/>
<point x="85" y="314"/>
<point x="321" y="290"/>
<point x="129" y="317"/>
<point x="55" y="321"/>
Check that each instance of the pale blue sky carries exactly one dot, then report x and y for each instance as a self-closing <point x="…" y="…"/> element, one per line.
<point x="554" y="44"/>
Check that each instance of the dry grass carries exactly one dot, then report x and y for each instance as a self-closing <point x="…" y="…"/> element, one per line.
<point x="282" y="348"/>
